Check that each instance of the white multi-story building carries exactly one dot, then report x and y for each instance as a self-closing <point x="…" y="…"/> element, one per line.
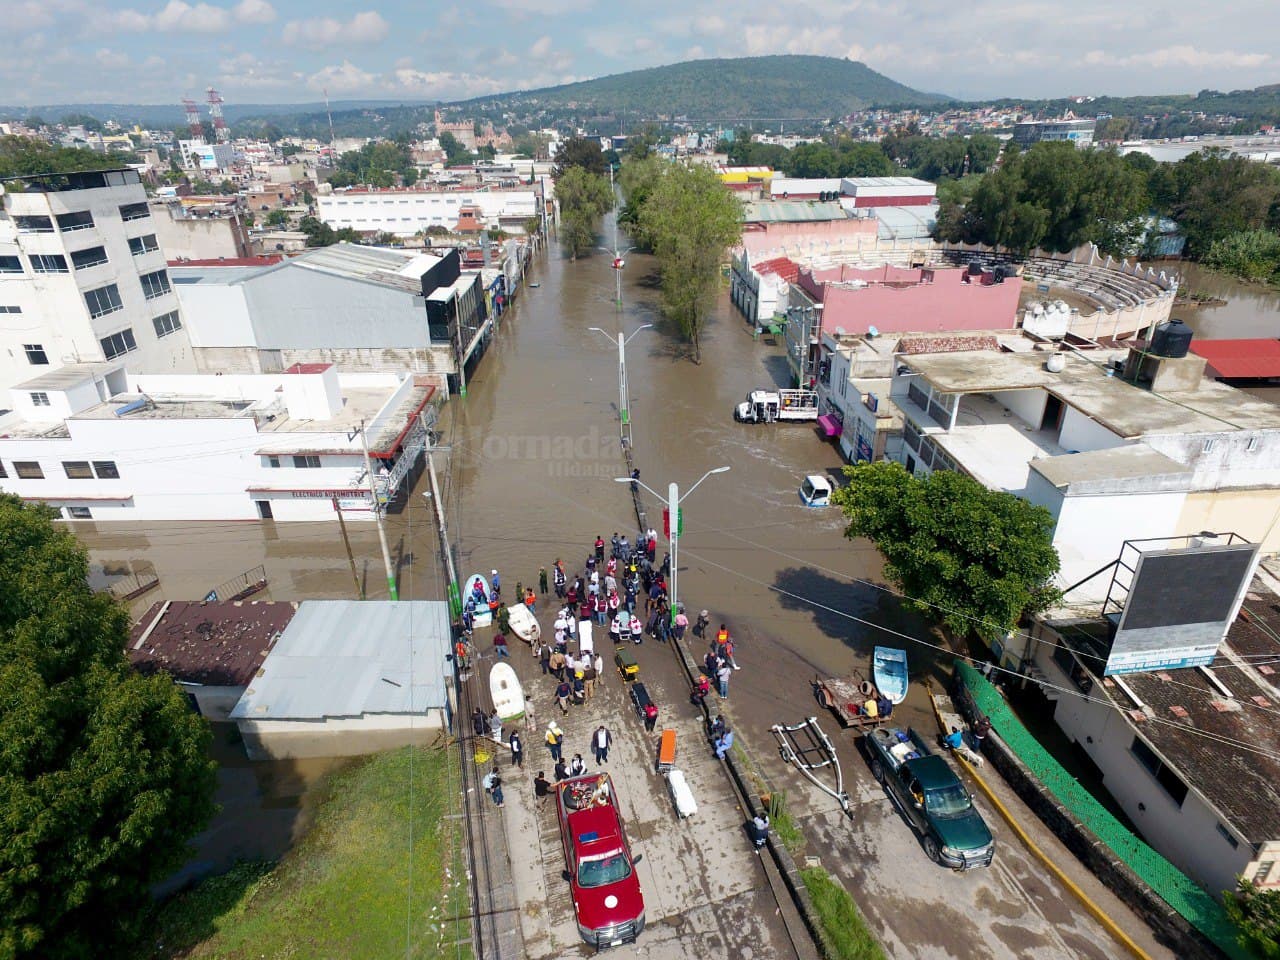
<point x="206" y="157"/>
<point x="83" y="279"/>
<point x="1111" y="459"/>
<point x="404" y="212"/>
<point x="102" y="445"/>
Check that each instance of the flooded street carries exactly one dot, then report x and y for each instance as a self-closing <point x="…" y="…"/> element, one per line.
<point x="1251" y="310"/>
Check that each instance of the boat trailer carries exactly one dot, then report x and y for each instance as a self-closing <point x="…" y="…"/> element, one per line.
<point x="807" y="748"/>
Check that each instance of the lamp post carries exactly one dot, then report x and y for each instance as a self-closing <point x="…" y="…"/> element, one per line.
<point x="674" y="499"/>
<point x="623" y="415"/>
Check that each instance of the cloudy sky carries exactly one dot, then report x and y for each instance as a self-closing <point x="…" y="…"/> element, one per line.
<point x="259" y="51"/>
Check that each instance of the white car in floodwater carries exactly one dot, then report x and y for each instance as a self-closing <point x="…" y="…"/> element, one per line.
<point x="816" y="491"/>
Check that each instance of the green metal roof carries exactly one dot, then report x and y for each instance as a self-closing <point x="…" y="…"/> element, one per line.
<point x="792" y="211"/>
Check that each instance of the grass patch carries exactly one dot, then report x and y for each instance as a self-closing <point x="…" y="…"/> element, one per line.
<point x="344" y="890"/>
<point x="847" y="935"/>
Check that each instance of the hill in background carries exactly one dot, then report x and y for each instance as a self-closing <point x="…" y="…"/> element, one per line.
<point x="772" y="87"/>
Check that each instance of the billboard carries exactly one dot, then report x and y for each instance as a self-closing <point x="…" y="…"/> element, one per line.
<point x="1179" y="606"/>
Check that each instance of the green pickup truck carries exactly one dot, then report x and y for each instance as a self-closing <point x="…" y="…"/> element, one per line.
<point x="931" y="797"/>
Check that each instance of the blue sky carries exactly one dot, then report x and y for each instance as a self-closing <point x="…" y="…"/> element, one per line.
<point x="259" y="51"/>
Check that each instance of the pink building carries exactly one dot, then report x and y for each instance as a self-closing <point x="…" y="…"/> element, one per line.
<point x="911" y="299"/>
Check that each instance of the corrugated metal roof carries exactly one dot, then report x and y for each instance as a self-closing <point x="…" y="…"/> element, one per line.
<point x="906" y="223"/>
<point x="1245" y="359"/>
<point x="351" y="658"/>
<point x="792" y="211"/>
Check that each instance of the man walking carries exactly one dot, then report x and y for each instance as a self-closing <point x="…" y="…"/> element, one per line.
<point x="541" y="789"/>
<point x="555" y="740"/>
<point x="601" y="740"/>
<point x="564" y="690"/>
<point x="493" y="786"/>
<point x="599" y="549"/>
<point x="517" y="749"/>
<point x="722" y="678"/>
<point x="542" y="580"/>
<point x="650" y="717"/>
<point x="558" y="578"/>
<point x="496" y="583"/>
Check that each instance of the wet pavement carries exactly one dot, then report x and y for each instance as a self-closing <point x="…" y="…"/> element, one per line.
<point x="527" y="477"/>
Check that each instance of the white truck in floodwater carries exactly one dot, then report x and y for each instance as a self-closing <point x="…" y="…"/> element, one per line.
<point x="768" y="406"/>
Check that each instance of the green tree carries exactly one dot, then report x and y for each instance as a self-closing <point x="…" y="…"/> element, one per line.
<point x="974" y="558"/>
<point x="863" y="160"/>
<point x="24" y="157"/>
<point x="1257" y="914"/>
<point x="584" y="198"/>
<point x="581" y="152"/>
<point x="103" y="774"/>
<point x="690" y="219"/>
<point x="636" y="179"/>
<point x="320" y="234"/>
<point x="1251" y="254"/>
<point x="1212" y="195"/>
<point x="276" y="218"/>
<point x="454" y="152"/>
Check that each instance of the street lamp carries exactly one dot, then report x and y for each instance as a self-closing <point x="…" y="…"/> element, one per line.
<point x="622" y="341"/>
<point x="619" y="262"/>
<point x="674" y="499"/>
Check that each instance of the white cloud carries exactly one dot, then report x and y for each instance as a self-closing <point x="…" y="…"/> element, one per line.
<point x="112" y="59"/>
<point x="254" y="11"/>
<point x="540" y="47"/>
<point x="343" y="78"/>
<point x="1180" y="56"/>
<point x="320" y="32"/>
<point x="246" y="71"/>
<point x="181" y="17"/>
<point x="524" y="9"/>
<point x="446" y="85"/>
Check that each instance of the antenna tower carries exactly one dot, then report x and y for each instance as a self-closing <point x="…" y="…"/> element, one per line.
<point x="220" y="131"/>
<point x="193" y="118"/>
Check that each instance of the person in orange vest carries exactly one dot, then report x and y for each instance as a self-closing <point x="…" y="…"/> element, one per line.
<point x="530" y="599"/>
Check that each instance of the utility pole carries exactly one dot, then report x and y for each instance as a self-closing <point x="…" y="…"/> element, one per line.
<point x="377" y="516"/>
<point x="455" y="595"/>
<point x="346" y="540"/>
<point x="624" y="415"/>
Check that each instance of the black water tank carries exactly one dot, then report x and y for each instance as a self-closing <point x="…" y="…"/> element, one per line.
<point x="976" y="268"/>
<point x="1172" y="339"/>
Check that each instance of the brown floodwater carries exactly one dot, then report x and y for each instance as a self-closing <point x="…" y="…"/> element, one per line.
<point x="1251" y="310"/>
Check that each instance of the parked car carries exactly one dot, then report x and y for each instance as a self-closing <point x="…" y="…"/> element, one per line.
<point x="607" y="900"/>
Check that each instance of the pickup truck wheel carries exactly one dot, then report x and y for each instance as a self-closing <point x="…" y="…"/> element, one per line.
<point x="931" y="849"/>
<point x="877" y="771"/>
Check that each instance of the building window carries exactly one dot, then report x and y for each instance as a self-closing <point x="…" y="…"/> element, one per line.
<point x="39" y="399"/>
<point x="167" y="323"/>
<point x="27" y="470"/>
<point x="306" y="461"/>
<point x="1155" y="766"/>
<point x="10" y="309"/>
<point x="1226" y="835"/>
<point x="48" y="263"/>
<point x="1209" y="445"/>
<point x="35" y="354"/>
<point x="82" y="220"/>
<point x="155" y="284"/>
<point x="273" y="461"/>
<point x="106" y="470"/>
<point x="134" y="211"/>
<point x="33" y="224"/>
<point x="10" y="264"/>
<point x="79" y="513"/>
<point x="118" y="344"/>
<point x="77" y="469"/>
<point x="92" y="257"/>
<point x="3" y="475"/>
<point x="103" y="300"/>
<point x="140" y="245"/>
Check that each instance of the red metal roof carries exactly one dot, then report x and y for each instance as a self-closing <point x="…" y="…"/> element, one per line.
<point x="1245" y="359"/>
<point x="782" y="267"/>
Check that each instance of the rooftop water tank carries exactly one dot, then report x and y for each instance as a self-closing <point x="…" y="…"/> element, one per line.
<point x="1172" y="339"/>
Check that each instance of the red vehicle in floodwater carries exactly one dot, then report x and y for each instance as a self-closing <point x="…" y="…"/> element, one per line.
<point x="601" y="872"/>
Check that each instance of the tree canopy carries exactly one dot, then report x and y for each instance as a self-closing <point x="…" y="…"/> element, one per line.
<point x="1257" y="914"/>
<point x="584" y="198"/>
<point x="974" y="558"/>
<point x="103" y="773"/>
<point x="320" y="234"/>
<point x="583" y="152"/>
<point x="25" y="157"/>
<point x="385" y="163"/>
<point x="689" y="219"/>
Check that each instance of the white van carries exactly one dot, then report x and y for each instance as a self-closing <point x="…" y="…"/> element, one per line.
<point x="816" y="491"/>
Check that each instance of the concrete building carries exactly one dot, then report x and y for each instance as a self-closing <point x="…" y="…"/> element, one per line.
<point x="351" y="677"/>
<point x="402" y="212"/>
<point x="200" y="231"/>
<point x="83" y="278"/>
<point x="100" y="444"/>
<point x="757" y="285"/>
<point x="804" y="228"/>
<point x="893" y="299"/>
<point x="206" y="157"/>
<point x="1070" y="129"/>
<point x="213" y="650"/>
<point x="1113" y="460"/>
<point x="1186" y="753"/>
<point x="870" y="192"/>
<point x="359" y="308"/>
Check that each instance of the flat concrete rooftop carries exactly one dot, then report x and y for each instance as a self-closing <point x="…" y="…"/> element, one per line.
<point x="1131" y="462"/>
<point x="1127" y="410"/>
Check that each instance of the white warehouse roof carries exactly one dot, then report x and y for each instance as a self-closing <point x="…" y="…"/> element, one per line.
<point x="349" y="658"/>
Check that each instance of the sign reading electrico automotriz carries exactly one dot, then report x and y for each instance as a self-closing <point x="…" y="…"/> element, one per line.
<point x="1179" y="607"/>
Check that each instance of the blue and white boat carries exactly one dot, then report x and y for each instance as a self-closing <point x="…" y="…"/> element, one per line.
<point x="889" y="670"/>
<point x="482" y="613"/>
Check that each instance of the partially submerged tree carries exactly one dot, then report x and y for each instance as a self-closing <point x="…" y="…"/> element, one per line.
<point x="689" y="220"/>
<point x="584" y="198"/>
<point x="103" y="773"/>
<point x="974" y="558"/>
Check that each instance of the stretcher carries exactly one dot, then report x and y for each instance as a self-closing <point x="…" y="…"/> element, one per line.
<point x="639" y="698"/>
<point x="666" y="750"/>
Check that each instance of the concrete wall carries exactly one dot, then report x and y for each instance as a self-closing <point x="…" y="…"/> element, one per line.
<point x="199" y="238"/>
<point x="1080" y="434"/>
<point x="1026" y="405"/>
<point x="1254" y="514"/>
<point x="763" y="240"/>
<point x="216" y="314"/>
<point x="295" y="739"/>
<point x="1232" y="458"/>
<point x="943" y="303"/>
<point x="1185" y="834"/>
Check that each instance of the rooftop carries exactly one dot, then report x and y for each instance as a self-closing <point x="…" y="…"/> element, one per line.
<point x="351" y="658"/>
<point x="1134" y="461"/>
<point x="792" y="211"/>
<point x="80" y="180"/>
<point x="213" y="644"/>
<point x="888" y="182"/>
<point x="69" y="375"/>
<point x="1241" y="359"/>
<point x="1206" y="735"/>
<point x="392" y="268"/>
<point x="1121" y="407"/>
